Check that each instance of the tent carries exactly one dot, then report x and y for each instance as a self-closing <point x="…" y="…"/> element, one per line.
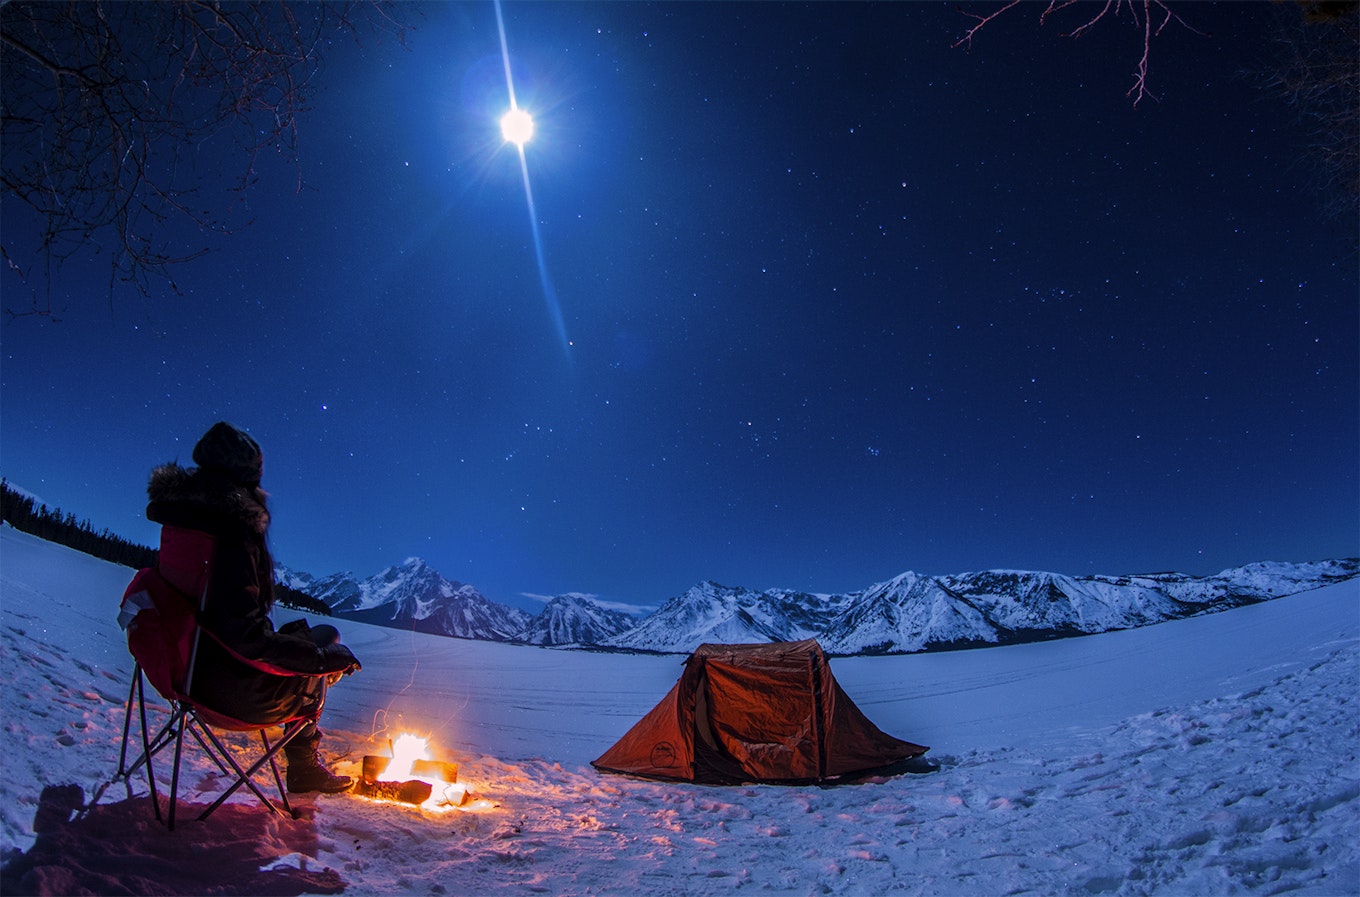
<point x="767" y="713"/>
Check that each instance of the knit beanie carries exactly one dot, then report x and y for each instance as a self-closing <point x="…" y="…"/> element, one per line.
<point x="231" y="451"/>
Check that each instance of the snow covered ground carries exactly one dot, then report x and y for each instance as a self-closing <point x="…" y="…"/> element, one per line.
<point x="1214" y="755"/>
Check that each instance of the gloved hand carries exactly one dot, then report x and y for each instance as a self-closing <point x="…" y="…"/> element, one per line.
<point x="294" y="627"/>
<point x="336" y="658"/>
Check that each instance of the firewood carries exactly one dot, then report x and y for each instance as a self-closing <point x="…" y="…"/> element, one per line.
<point x="413" y="792"/>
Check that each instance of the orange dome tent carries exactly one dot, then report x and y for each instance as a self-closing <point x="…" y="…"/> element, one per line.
<point x="765" y="713"/>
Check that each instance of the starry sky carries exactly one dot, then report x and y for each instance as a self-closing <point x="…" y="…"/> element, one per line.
<point x="808" y="298"/>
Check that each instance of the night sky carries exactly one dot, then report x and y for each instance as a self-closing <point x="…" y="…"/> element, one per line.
<point x="837" y="300"/>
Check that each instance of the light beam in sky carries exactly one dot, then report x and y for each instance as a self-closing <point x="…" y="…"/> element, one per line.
<point x="517" y="126"/>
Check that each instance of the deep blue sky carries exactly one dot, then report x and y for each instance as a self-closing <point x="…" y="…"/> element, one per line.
<point x="842" y="301"/>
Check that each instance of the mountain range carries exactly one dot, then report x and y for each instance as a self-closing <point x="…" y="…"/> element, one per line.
<point x="414" y="596"/>
<point x="911" y="612"/>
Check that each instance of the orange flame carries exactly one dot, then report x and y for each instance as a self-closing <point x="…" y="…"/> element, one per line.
<point x="406" y="750"/>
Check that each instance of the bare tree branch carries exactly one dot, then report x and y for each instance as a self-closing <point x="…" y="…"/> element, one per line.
<point x="1317" y="73"/>
<point x="114" y="116"/>
<point x="981" y="21"/>
<point x="1141" y="12"/>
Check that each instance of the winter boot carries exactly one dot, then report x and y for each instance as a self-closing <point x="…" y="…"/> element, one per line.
<point x="307" y="773"/>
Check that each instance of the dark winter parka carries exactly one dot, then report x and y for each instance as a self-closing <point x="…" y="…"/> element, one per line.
<point x="240" y="596"/>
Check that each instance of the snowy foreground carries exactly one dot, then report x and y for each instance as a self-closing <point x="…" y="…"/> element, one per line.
<point x="1213" y="755"/>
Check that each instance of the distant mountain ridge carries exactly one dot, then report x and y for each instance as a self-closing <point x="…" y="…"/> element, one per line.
<point x="574" y="619"/>
<point x="413" y="595"/>
<point x="911" y="612"/>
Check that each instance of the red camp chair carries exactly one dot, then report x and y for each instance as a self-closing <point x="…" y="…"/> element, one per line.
<point x="161" y="620"/>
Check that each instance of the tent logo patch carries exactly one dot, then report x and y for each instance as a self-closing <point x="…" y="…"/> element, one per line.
<point x="663" y="755"/>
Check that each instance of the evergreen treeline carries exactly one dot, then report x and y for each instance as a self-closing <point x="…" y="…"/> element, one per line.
<point x="23" y="513"/>
<point x="291" y="597"/>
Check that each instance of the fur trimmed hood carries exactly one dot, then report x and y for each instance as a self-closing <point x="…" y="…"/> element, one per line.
<point x="209" y="490"/>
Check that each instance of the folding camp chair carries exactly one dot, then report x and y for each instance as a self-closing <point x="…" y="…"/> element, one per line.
<point x="164" y="636"/>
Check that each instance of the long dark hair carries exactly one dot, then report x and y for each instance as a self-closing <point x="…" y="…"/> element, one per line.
<point x="265" y="571"/>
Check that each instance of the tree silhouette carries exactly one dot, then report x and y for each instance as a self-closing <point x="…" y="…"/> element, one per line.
<point x="1150" y="17"/>
<point x="22" y="512"/>
<point x="113" y="114"/>
<point x="1317" y="72"/>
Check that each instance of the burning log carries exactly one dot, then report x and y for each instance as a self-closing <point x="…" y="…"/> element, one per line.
<point x="413" y="792"/>
<point x="435" y="769"/>
<point x="374" y="767"/>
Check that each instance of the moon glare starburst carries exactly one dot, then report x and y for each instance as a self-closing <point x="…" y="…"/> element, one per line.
<point x="517" y="126"/>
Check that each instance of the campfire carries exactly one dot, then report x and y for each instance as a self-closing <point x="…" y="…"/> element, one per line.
<point x="409" y="776"/>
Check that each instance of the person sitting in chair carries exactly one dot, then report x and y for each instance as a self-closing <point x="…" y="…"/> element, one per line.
<point x="222" y="497"/>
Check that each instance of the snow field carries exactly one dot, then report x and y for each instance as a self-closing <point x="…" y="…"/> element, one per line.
<point x="1206" y="799"/>
<point x="1216" y="755"/>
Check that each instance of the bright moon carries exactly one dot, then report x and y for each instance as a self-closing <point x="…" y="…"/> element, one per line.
<point x="517" y="126"/>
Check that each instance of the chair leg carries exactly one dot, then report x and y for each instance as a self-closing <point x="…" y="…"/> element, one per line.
<point x="182" y="720"/>
<point x="127" y="720"/>
<point x="210" y="750"/>
<point x="155" y="745"/>
<point x="148" y="753"/>
<point x="244" y="777"/>
<point x="274" y="767"/>
<point x="174" y="773"/>
<point x="150" y="746"/>
<point x="124" y="772"/>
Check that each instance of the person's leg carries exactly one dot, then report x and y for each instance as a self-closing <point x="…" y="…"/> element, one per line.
<point x="306" y="770"/>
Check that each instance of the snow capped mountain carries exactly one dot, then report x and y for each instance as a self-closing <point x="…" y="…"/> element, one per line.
<point x="710" y="612"/>
<point x="574" y="619"/>
<point x="913" y="612"/>
<point x="413" y="595"/>
<point x="908" y="613"/>
<point x="1022" y="602"/>
<point x="294" y="579"/>
<point x="808" y="612"/>
<point x="1267" y="579"/>
<point x="339" y="590"/>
